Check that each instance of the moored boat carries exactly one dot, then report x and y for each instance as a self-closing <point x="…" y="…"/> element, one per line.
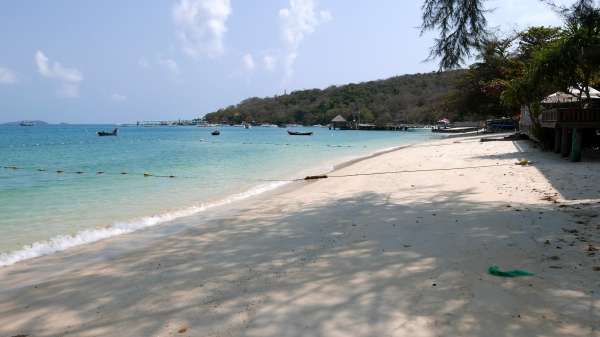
<point x="215" y="133"/>
<point x="108" y="133"/>
<point x="297" y="133"/>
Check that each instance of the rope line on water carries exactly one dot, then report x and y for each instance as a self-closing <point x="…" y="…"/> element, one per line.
<point x="97" y="173"/>
<point x="307" y="178"/>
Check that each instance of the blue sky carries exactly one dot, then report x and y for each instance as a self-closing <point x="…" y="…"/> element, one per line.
<point x="122" y="61"/>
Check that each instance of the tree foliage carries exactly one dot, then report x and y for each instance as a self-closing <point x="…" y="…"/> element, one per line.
<point x="461" y="25"/>
<point x="420" y="98"/>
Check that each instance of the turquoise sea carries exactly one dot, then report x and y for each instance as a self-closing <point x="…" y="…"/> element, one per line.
<point x="44" y="211"/>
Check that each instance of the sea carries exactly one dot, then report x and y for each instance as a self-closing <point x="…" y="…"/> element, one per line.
<point x="63" y="186"/>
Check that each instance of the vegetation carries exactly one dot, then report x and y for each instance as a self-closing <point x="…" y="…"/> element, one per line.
<point x="462" y="27"/>
<point x="420" y="98"/>
<point x="509" y="72"/>
<point x="520" y="70"/>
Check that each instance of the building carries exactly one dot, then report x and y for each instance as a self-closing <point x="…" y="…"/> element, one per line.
<point x="339" y="122"/>
<point x="571" y="120"/>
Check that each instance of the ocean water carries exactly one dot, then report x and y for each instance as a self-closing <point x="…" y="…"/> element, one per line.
<point x="43" y="211"/>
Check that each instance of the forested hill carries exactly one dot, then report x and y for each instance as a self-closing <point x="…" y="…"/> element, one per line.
<point x="419" y="98"/>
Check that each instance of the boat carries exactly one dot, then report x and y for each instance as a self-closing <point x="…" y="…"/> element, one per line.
<point x="26" y="123"/>
<point x="215" y="133"/>
<point x="297" y="133"/>
<point x="107" y="133"/>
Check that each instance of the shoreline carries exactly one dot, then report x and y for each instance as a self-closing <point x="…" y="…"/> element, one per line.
<point x="59" y="243"/>
<point x="363" y="254"/>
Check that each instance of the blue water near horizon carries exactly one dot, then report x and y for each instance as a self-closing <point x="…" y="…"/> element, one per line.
<point x="44" y="211"/>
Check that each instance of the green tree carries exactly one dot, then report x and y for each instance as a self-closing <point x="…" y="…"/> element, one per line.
<point x="462" y="27"/>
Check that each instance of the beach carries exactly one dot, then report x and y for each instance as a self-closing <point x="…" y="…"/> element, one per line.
<point x="398" y="244"/>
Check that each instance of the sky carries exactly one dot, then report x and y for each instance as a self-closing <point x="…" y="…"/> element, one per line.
<point x="115" y="61"/>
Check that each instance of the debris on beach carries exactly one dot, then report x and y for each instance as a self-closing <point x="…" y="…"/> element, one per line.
<point x="524" y="162"/>
<point x="495" y="270"/>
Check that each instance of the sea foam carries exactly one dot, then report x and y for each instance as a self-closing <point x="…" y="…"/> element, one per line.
<point x="62" y="242"/>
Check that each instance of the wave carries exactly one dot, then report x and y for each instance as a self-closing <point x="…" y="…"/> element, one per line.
<point x="63" y="242"/>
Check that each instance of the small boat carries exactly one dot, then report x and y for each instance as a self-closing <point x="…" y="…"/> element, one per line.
<point x="297" y="133"/>
<point x="107" y="133"/>
<point x="26" y="123"/>
<point x="215" y="133"/>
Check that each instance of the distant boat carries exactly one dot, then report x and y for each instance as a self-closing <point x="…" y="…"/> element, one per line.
<point x="296" y="133"/>
<point x="215" y="133"/>
<point x="26" y="123"/>
<point x="108" y="133"/>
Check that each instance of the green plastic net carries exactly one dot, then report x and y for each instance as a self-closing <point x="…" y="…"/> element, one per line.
<point x="495" y="270"/>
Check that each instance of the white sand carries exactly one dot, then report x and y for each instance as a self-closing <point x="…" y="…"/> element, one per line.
<point x="402" y="254"/>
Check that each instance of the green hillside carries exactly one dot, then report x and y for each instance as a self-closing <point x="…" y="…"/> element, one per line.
<point x="418" y="98"/>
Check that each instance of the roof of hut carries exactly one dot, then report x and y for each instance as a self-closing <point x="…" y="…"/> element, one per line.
<point x="571" y="96"/>
<point x="338" y="119"/>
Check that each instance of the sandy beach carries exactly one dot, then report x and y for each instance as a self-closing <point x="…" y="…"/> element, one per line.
<point x="395" y="245"/>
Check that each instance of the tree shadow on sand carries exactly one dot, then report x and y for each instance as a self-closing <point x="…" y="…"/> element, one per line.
<point x="574" y="181"/>
<point x="325" y="269"/>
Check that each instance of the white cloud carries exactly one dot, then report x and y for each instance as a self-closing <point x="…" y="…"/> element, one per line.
<point x="298" y="21"/>
<point x="248" y="62"/>
<point x="169" y="64"/>
<point x="326" y="16"/>
<point x="70" y="78"/>
<point x="7" y="76"/>
<point x="118" y="97"/>
<point x="201" y="26"/>
<point x="269" y="62"/>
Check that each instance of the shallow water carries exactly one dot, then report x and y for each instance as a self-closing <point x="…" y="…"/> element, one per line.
<point x="40" y="205"/>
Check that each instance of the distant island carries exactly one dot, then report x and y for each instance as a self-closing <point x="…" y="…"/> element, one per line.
<point x="418" y="98"/>
<point x="25" y="122"/>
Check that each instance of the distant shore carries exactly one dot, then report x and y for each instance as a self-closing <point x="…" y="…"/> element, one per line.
<point x="395" y="244"/>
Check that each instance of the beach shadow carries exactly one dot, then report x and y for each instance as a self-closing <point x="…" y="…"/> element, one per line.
<point x="370" y="265"/>
<point x="574" y="181"/>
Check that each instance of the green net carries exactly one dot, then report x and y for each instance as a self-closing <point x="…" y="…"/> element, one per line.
<point x="495" y="270"/>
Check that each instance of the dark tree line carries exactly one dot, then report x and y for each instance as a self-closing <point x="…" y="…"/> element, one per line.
<point x="419" y="98"/>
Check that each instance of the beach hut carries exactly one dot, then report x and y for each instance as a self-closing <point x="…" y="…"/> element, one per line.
<point x="571" y="96"/>
<point x="339" y="122"/>
<point x="571" y="121"/>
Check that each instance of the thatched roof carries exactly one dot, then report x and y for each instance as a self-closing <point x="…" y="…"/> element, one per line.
<point x="338" y="119"/>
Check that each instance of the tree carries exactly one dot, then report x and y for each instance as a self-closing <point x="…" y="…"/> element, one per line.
<point x="462" y="27"/>
<point x="557" y="60"/>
